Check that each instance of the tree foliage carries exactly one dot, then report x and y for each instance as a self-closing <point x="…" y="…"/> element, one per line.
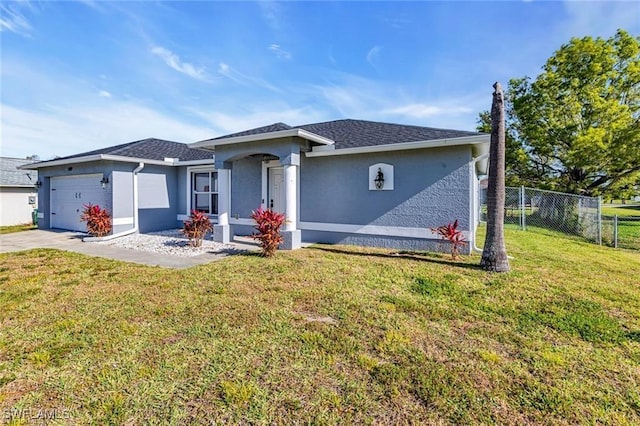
<point x="576" y="127"/>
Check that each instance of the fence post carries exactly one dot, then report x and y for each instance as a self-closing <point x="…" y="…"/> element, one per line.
<point x="522" y="212"/>
<point x="599" y="220"/>
<point x="615" y="231"/>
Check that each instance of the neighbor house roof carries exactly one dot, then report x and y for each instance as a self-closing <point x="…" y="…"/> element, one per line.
<point x="347" y="133"/>
<point x="146" y="150"/>
<point x="10" y="175"/>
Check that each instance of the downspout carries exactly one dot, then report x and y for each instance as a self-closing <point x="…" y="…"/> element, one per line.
<point x="474" y="200"/>
<point x="135" y="228"/>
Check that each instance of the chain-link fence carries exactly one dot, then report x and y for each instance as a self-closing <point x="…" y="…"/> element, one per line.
<point x="621" y="231"/>
<point x="567" y="213"/>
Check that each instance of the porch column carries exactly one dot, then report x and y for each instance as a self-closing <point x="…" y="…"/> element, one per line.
<point x="291" y="234"/>
<point x="222" y="231"/>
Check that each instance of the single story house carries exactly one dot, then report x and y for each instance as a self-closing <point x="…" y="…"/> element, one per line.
<point x="18" y="197"/>
<point x="344" y="181"/>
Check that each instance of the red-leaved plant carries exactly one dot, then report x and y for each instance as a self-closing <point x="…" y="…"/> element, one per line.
<point x="451" y="233"/>
<point x="268" y="225"/>
<point x="196" y="227"/>
<point x="98" y="220"/>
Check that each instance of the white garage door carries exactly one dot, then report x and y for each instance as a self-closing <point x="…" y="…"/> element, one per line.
<point x="69" y="194"/>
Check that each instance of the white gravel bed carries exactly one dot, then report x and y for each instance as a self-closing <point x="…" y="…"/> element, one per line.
<point x="166" y="242"/>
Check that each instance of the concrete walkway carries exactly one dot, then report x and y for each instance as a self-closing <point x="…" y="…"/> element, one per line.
<point x="72" y="241"/>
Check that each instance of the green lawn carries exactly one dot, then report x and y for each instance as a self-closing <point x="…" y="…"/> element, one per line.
<point x="328" y="335"/>
<point x="621" y="210"/>
<point x="17" y="228"/>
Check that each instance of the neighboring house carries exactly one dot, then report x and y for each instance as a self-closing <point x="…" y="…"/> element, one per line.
<point x="344" y="181"/>
<point x="17" y="192"/>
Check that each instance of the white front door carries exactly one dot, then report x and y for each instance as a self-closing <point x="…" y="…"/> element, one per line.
<point x="276" y="189"/>
<point x="68" y="196"/>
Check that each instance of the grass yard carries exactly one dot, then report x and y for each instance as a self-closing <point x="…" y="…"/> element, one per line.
<point x="17" y="228"/>
<point x="628" y="225"/>
<point x="327" y="335"/>
<point x="621" y="210"/>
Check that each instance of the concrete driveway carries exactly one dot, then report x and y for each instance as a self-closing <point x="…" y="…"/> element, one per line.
<point x="72" y="241"/>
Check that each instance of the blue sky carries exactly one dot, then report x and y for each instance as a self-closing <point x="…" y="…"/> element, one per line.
<point x="82" y="75"/>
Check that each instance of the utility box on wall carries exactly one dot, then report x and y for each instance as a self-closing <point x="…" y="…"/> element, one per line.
<point x="381" y="177"/>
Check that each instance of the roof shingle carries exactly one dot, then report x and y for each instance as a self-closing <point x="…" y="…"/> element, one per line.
<point x="149" y="149"/>
<point x="348" y="133"/>
<point x="11" y="176"/>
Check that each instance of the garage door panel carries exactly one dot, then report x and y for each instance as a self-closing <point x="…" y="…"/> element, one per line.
<point x="69" y="194"/>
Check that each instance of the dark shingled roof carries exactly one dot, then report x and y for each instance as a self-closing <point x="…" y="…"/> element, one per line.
<point x="275" y="127"/>
<point x="357" y="133"/>
<point x="149" y="149"/>
<point x="11" y="176"/>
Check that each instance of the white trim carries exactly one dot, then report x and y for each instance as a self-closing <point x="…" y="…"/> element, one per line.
<point x="385" y="231"/>
<point x="136" y="204"/>
<point x="207" y="162"/>
<point x="465" y="140"/>
<point x="191" y="169"/>
<point x="107" y="157"/>
<point x="208" y="143"/>
<point x="122" y="221"/>
<point x="264" y="187"/>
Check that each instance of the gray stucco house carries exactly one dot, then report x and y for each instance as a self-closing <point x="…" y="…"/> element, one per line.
<point x="343" y="181"/>
<point x="17" y="192"/>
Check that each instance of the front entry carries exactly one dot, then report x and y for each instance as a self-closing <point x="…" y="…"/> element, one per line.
<point x="275" y="197"/>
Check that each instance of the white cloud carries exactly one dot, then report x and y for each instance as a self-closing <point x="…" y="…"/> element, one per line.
<point x="259" y="115"/>
<point x="271" y="14"/>
<point x="280" y="53"/>
<point x="243" y="79"/>
<point x="104" y="94"/>
<point x="13" y="20"/>
<point x="372" y="56"/>
<point x="71" y="130"/>
<point x="356" y="97"/>
<point x="174" y="62"/>
<point x="596" y="18"/>
<point x="418" y="110"/>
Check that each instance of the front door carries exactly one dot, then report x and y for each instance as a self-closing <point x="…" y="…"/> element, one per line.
<point x="276" y="189"/>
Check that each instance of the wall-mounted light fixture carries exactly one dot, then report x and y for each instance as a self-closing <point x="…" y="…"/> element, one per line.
<point x="379" y="180"/>
<point x="38" y="184"/>
<point x="104" y="181"/>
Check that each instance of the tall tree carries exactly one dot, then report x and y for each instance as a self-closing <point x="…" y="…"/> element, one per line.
<point x="576" y="127"/>
<point x="494" y="254"/>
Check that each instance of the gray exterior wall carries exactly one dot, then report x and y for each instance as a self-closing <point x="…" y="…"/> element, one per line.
<point x="246" y="186"/>
<point x="432" y="188"/>
<point x="158" y="198"/>
<point x="182" y="195"/>
<point x="45" y="174"/>
<point x="158" y="190"/>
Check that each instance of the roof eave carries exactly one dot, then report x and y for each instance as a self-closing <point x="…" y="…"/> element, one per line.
<point x="105" y="157"/>
<point x="301" y="133"/>
<point x="464" y="140"/>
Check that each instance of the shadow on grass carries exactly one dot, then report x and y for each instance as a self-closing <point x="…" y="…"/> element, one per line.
<point x="411" y="255"/>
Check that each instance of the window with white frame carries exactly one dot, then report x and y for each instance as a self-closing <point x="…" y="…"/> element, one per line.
<point x="204" y="191"/>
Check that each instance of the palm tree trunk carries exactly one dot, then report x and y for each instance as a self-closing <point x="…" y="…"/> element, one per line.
<point x="494" y="254"/>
